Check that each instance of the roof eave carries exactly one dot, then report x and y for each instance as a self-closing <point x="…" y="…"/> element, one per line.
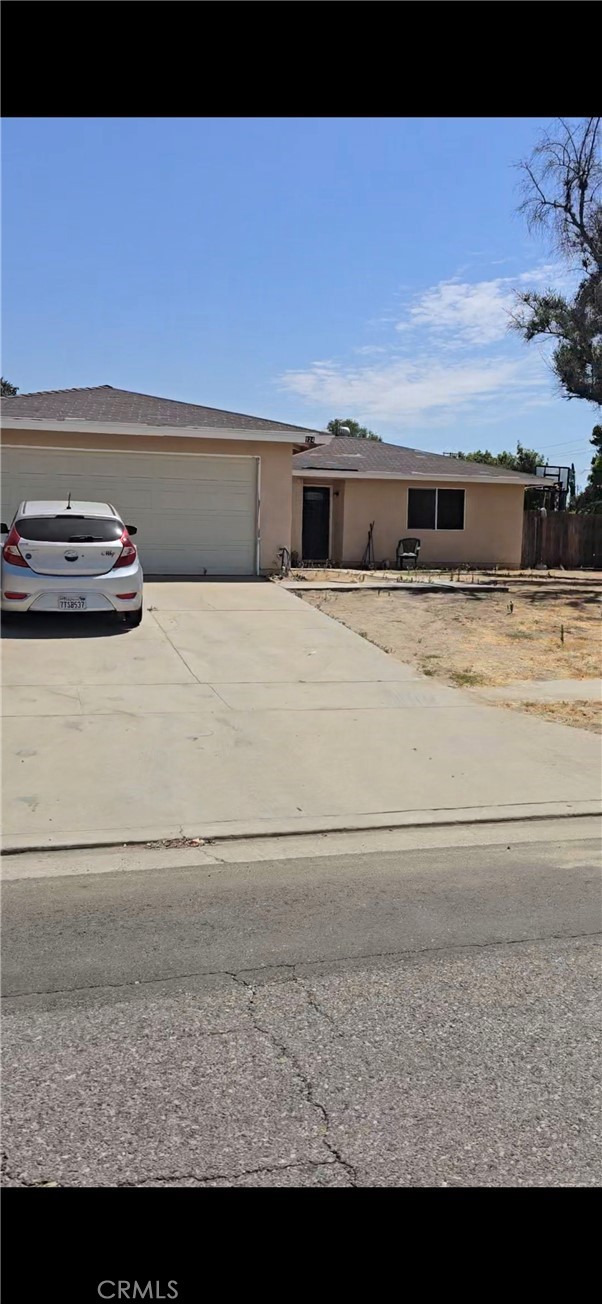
<point x="349" y="474"/>
<point x="81" y="426"/>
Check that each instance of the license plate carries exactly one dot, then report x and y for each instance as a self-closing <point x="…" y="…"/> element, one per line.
<point x="72" y="604"/>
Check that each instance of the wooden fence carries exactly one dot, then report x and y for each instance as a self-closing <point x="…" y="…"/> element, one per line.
<point x="562" y="539"/>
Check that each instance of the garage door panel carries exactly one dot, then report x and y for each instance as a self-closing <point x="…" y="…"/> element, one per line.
<point x="181" y="561"/>
<point x="209" y="467"/>
<point x="222" y="533"/>
<point x="176" y="497"/>
<point x="193" y="513"/>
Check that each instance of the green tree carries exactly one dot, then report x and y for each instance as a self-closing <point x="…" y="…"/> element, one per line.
<point x="524" y="459"/>
<point x="351" y="429"/>
<point x="562" y="198"/>
<point x="6" y="389"/>
<point x="481" y="455"/>
<point x="591" y="499"/>
<point x="572" y="486"/>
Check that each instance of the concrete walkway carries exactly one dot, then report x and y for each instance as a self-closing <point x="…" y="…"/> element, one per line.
<point x="237" y="709"/>
<point x="544" y="690"/>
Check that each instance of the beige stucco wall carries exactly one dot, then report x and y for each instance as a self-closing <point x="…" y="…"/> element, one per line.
<point x="275" y="471"/>
<point x="338" y="520"/>
<point x="297" y="521"/>
<point x="492" y="534"/>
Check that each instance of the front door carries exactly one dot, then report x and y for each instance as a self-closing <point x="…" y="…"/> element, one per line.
<point x="316" y="523"/>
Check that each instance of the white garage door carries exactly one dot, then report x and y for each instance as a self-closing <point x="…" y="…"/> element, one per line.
<point x="193" y="513"/>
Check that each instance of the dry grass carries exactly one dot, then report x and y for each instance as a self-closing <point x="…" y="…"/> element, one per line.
<point x="581" y="715"/>
<point x="486" y="638"/>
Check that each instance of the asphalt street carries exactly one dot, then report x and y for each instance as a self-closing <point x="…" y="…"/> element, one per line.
<point x="396" y="1018"/>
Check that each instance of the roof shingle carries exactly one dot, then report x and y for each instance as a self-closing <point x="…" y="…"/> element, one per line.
<point x="103" y="403"/>
<point x="367" y="456"/>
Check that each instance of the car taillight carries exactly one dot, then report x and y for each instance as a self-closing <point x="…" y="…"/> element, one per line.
<point x="128" y="554"/>
<point x="10" y="551"/>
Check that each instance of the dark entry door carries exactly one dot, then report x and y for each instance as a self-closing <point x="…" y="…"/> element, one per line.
<point x="316" y="523"/>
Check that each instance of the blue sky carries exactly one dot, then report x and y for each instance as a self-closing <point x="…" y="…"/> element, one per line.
<point x="298" y="269"/>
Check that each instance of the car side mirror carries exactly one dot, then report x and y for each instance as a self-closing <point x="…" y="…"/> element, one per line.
<point x="132" y="529"/>
<point x="3" y="528"/>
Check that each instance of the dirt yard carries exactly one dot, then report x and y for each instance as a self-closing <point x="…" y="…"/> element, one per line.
<point x="581" y="715"/>
<point x="544" y="630"/>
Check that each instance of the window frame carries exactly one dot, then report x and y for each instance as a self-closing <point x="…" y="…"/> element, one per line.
<point x="455" y="529"/>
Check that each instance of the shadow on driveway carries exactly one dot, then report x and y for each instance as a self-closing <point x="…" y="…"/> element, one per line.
<point x="46" y="625"/>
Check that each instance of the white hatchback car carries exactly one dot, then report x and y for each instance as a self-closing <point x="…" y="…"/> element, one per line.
<point x="71" y="556"/>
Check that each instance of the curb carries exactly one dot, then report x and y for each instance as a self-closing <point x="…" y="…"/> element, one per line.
<point x="434" y="819"/>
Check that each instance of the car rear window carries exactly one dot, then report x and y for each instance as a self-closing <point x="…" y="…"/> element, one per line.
<point x="69" y="529"/>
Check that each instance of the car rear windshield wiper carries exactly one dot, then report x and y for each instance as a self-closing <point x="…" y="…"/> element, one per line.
<point x="85" y="538"/>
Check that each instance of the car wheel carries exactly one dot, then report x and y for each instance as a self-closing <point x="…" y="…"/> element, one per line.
<point x="133" y="618"/>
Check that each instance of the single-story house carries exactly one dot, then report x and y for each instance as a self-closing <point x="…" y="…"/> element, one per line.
<point x="209" y="491"/>
<point x="462" y="512"/>
<point x="221" y="493"/>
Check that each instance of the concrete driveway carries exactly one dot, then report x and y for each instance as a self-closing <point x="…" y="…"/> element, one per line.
<point x="238" y="708"/>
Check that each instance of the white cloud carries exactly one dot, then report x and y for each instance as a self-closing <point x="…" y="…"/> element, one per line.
<point x="475" y="313"/>
<point x="369" y="349"/>
<point x="555" y="274"/>
<point x="422" y="390"/>
<point x="460" y="312"/>
<point x="452" y="355"/>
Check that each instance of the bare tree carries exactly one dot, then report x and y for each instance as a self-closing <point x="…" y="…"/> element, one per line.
<point x="562" y="198"/>
<point x="562" y="191"/>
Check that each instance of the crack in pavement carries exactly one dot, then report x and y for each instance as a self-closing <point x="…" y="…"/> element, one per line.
<point x="331" y="1160"/>
<point x="306" y="1083"/>
<point x="244" y="1172"/>
<point x="335" y="960"/>
<point x="176" y="1178"/>
<point x="312" y="1000"/>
